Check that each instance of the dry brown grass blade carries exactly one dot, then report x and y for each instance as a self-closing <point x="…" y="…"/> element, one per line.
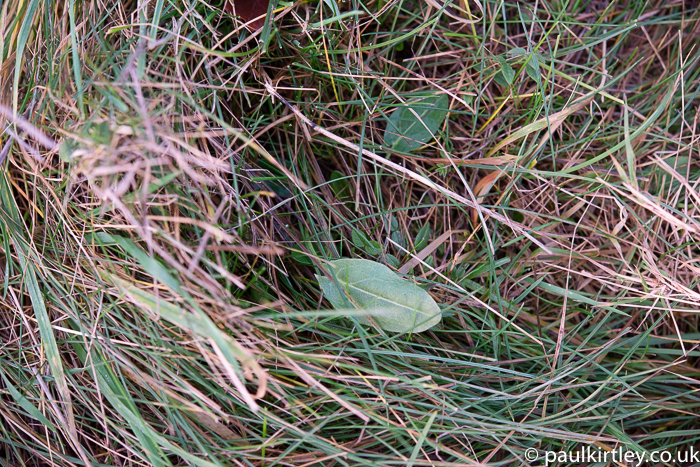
<point x="496" y="161"/>
<point x="551" y="122"/>
<point x="642" y="200"/>
<point x="36" y="134"/>
<point x="481" y="190"/>
<point x="427" y="251"/>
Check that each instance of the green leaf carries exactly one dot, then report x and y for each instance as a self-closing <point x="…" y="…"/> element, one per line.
<point x="533" y="68"/>
<point x="517" y="52"/>
<point x="501" y="80"/>
<point x="395" y="305"/>
<point x="407" y="131"/>
<point x="340" y="187"/>
<point x="392" y="261"/>
<point x="374" y="248"/>
<point x="394" y="223"/>
<point x="99" y="133"/>
<point x="370" y="247"/>
<point x="422" y="237"/>
<point x="398" y="238"/>
<point x="301" y="258"/>
<point x="507" y="73"/>
<point x="66" y="149"/>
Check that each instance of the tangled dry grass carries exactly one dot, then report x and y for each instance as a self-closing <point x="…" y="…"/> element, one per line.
<point x="173" y="182"/>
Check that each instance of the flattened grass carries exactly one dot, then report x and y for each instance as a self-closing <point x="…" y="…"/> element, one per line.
<point x="159" y="305"/>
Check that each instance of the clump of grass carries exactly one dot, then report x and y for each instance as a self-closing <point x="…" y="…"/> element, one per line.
<point x="173" y="182"/>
